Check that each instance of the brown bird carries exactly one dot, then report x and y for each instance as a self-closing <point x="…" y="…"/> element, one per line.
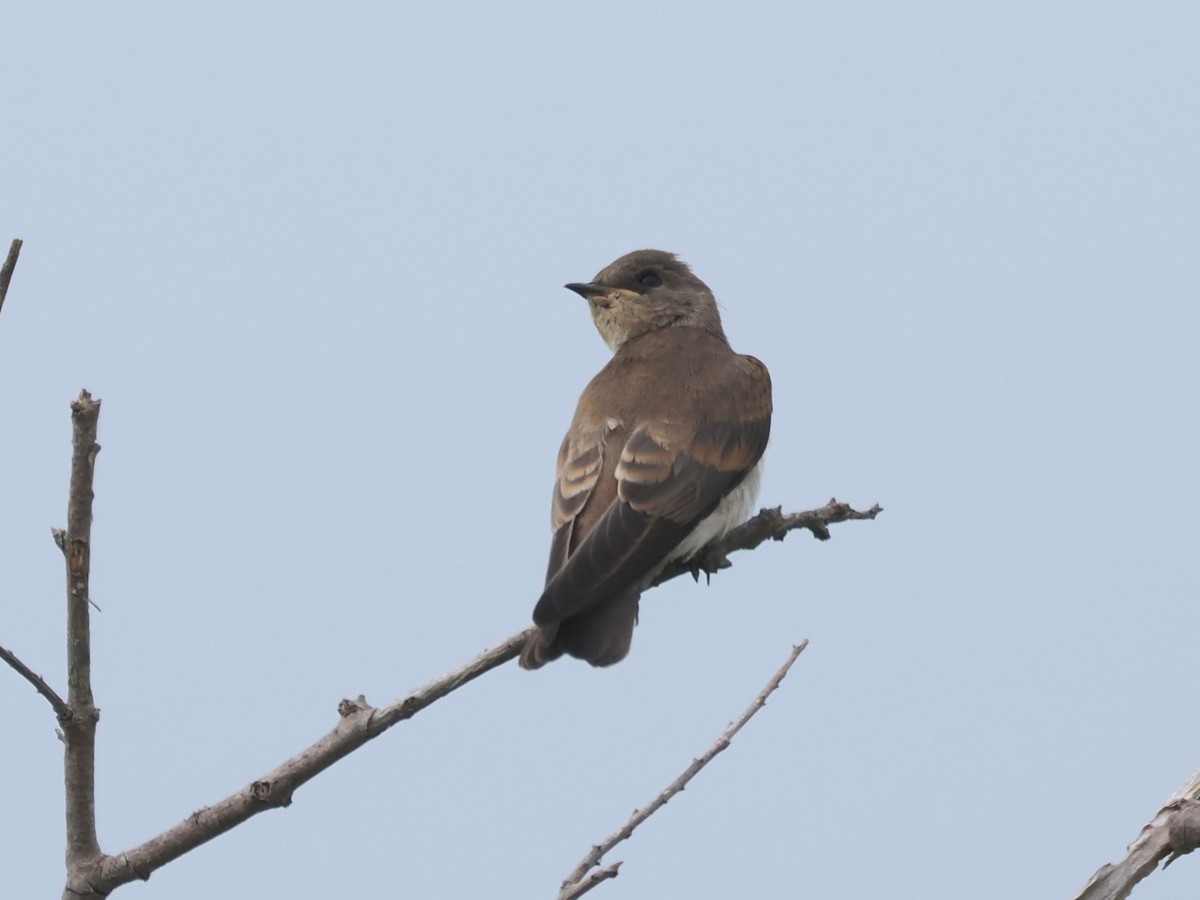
<point x="661" y="458"/>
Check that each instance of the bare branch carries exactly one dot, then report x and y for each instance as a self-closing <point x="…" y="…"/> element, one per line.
<point x="596" y="878"/>
<point x="359" y="723"/>
<point x="1173" y="832"/>
<point x="769" y="523"/>
<point x="576" y="884"/>
<point x="6" y="271"/>
<point x="60" y="705"/>
<point x="79" y="728"/>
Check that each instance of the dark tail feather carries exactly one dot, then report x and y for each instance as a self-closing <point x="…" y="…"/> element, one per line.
<point x="600" y="636"/>
<point x="541" y="648"/>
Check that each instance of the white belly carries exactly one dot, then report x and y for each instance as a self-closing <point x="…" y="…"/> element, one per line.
<point x="733" y="511"/>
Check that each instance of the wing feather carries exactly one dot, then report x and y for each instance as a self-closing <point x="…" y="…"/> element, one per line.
<point x="626" y="497"/>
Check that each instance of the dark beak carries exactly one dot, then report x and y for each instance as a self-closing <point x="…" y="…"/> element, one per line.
<point x="587" y="291"/>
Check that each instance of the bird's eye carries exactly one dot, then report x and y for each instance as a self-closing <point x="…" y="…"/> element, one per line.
<point x="649" y="278"/>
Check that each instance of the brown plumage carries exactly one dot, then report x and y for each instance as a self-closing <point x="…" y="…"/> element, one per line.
<point x="661" y="458"/>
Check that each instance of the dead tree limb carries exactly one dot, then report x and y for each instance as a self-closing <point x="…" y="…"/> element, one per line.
<point x="1173" y="832"/>
<point x="79" y="726"/>
<point x="361" y="723"/>
<point x="91" y="872"/>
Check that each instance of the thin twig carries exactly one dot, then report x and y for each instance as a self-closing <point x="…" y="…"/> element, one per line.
<point x="61" y="709"/>
<point x="6" y="271"/>
<point x="576" y="883"/>
<point x="1171" y="833"/>
<point x="79" y="729"/>
<point x="771" y="524"/>
<point x="593" y="879"/>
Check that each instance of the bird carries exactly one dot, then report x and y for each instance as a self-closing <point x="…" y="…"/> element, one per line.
<point x="663" y="456"/>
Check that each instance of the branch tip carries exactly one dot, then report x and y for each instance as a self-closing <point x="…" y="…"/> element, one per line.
<point x="771" y="523"/>
<point x="578" y="881"/>
<point x="61" y="710"/>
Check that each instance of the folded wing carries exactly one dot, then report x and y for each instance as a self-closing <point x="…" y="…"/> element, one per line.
<point x="645" y="489"/>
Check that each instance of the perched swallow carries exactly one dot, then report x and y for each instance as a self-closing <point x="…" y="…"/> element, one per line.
<point x="662" y="457"/>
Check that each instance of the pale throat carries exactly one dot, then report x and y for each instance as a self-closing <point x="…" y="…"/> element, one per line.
<point x="614" y="335"/>
<point x="616" y="332"/>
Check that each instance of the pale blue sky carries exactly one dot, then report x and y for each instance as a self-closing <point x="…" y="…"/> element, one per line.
<point x="312" y="262"/>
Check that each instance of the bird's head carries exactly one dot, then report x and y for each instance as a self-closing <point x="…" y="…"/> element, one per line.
<point x="646" y="290"/>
